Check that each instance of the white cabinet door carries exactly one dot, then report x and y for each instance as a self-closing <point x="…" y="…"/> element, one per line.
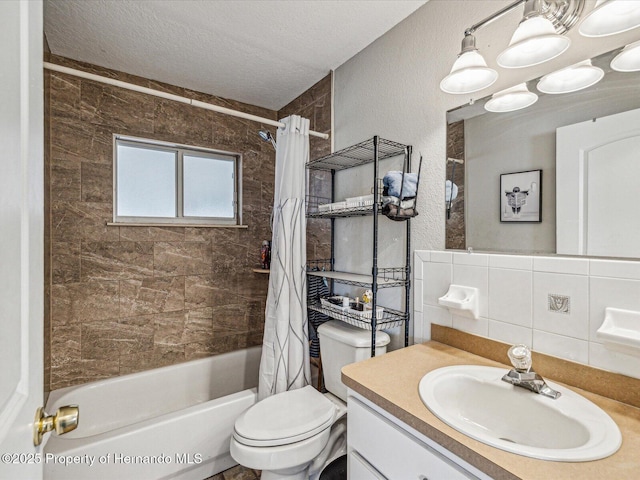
<point x="21" y="235"/>
<point x="359" y="469"/>
<point x="392" y="451"/>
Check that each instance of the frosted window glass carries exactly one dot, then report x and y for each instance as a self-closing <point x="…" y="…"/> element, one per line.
<point x="208" y="187"/>
<point x="146" y="182"/>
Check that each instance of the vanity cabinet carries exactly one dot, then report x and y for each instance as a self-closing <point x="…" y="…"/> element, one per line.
<point x="380" y="447"/>
<point x="360" y="469"/>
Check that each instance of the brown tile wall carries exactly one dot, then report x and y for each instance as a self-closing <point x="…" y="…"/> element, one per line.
<point x="315" y="104"/>
<point x="127" y="299"/>
<point x="455" y="227"/>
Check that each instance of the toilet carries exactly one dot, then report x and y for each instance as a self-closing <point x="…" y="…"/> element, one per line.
<point x="293" y="435"/>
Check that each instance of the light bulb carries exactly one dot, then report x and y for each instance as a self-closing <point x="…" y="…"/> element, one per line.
<point x="571" y="79"/>
<point x="470" y="72"/>
<point x="535" y="41"/>
<point x="628" y="60"/>
<point x="610" y="17"/>
<point x="514" y="98"/>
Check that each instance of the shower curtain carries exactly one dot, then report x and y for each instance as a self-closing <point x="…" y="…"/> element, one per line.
<point x="285" y="347"/>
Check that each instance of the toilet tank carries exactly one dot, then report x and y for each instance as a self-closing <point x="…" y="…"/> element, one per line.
<point x="342" y="344"/>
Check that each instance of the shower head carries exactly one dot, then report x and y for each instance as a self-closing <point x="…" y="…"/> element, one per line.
<point x="267" y="137"/>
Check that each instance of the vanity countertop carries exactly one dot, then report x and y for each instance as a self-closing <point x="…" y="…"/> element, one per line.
<point x="391" y="382"/>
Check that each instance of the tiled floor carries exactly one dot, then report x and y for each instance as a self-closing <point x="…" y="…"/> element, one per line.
<point x="237" y="473"/>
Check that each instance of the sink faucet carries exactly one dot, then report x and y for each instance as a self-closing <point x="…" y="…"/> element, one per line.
<point x="522" y="375"/>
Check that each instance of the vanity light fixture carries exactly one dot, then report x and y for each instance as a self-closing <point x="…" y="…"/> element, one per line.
<point x="571" y="79"/>
<point x="469" y="72"/>
<point x="610" y="17"/>
<point x="628" y="60"/>
<point x="538" y="38"/>
<point x="535" y="40"/>
<point x="511" y="99"/>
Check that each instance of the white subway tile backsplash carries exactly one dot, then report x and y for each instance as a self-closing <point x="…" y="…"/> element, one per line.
<point x="437" y="315"/>
<point x="615" y="269"/>
<point x="511" y="296"/>
<point x="574" y="266"/>
<point x="441" y="257"/>
<point x="614" y="361"/>
<point x="470" y="325"/>
<point x="554" y="304"/>
<point x="610" y="292"/>
<point x="517" y="262"/>
<point x="576" y="287"/>
<point x="561" y="346"/>
<point x="509" y="333"/>
<point x="422" y="256"/>
<point x="476" y="259"/>
<point x="478" y="277"/>
<point x="437" y="278"/>
<point x="417" y="268"/>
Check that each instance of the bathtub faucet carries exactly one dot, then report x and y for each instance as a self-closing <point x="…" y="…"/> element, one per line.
<point x="522" y="376"/>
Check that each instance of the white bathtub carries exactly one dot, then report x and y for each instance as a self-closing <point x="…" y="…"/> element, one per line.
<point x="172" y="422"/>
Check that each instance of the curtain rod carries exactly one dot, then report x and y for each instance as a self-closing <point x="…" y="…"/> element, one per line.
<point x="169" y="96"/>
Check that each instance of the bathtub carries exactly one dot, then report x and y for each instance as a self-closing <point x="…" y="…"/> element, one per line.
<point x="172" y="422"/>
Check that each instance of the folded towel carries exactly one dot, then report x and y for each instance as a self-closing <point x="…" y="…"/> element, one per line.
<point x="406" y="203"/>
<point x="393" y="181"/>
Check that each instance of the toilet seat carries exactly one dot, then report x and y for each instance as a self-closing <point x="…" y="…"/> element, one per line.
<point x="285" y="418"/>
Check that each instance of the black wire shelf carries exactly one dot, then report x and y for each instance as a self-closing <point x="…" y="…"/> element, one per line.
<point x="358" y="154"/>
<point x="321" y="207"/>
<point x="368" y="152"/>
<point x="387" y="277"/>
<point x="346" y="212"/>
<point x="389" y="318"/>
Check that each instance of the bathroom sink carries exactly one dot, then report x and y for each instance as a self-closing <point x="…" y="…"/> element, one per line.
<point x="475" y="401"/>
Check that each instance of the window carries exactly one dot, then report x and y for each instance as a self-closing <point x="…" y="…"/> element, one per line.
<point x="157" y="182"/>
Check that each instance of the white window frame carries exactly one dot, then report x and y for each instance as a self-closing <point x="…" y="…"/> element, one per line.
<point x="180" y="151"/>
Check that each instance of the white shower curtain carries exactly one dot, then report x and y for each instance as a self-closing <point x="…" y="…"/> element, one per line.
<point x="285" y="347"/>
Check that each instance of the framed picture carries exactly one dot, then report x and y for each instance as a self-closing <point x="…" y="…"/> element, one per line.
<point x="521" y="197"/>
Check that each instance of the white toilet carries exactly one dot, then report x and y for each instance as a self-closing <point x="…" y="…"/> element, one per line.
<point x="294" y="434"/>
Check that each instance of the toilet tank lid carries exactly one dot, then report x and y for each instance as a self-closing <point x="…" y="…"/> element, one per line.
<point x="350" y="335"/>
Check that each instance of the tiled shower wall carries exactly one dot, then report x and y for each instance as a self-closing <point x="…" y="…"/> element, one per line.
<point x="553" y="304"/>
<point x="126" y="299"/>
<point x="315" y="104"/>
<point x="455" y="226"/>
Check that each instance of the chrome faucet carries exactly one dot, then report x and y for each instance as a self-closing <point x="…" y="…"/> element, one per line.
<point x="522" y="376"/>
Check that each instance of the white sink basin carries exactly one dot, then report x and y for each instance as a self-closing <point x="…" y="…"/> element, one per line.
<point x="475" y="401"/>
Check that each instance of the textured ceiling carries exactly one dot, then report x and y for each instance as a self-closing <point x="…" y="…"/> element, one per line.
<point x="261" y="52"/>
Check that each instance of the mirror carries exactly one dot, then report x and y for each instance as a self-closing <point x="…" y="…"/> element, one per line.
<point x="483" y="146"/>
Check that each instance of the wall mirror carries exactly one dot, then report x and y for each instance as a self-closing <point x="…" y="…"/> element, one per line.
<point x="588" y="151"/>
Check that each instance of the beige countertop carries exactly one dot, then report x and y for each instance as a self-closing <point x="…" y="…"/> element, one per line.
<point x="391" y="382"/>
